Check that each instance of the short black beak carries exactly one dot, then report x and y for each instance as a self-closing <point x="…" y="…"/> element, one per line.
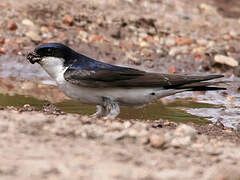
<point x="33" y="57"/>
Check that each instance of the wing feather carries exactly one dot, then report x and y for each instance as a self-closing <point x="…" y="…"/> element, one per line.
<point x="96" y="74"/>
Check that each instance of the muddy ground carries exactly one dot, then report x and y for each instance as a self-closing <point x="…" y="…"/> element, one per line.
<point x="163" y="36"/>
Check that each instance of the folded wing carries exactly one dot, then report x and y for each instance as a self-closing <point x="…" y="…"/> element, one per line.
<point x="97" y="74"/>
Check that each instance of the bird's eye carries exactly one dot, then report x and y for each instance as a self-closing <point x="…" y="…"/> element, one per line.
<point x="49" y="51"/>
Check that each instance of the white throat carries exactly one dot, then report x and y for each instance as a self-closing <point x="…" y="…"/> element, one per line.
<point x="54" y="67"/>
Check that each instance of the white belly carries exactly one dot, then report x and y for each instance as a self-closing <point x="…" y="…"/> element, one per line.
<point x="124" y="96"/>
<point x="94" y="95"/>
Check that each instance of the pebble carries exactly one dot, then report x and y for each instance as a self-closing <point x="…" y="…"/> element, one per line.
<point x="181" y="141"/>
<point x="226" y="60"/>
<point x="170" y="42"/>
<point x="211" y="150"/>
<point x="44" y="29"/>
<point x="178" y="49"/>
<point x="12" y="26"/>
<point x="173" y="51"/>
<point x="3" y="51"/>
<point x="83" y="35"/>
<point x="2" y="40"/>
<point x="127" y="124"/>
<point x="116" y="126"/>
<point x="67" y="19"/>
<point x="183" y="41"/>
<point x="28" y="85"/>
<point x="157" y="140"/>
<point x="34" y="36"/>
<point x="132" y="57"/>
<point x="199" y="50"/>
<point x="234" y="34"/>
<point x="184" y="130"/>
<point x="208" y="8"/>
<point x="143" y="35"/>
<point x="29" y="23"/>
<point x="211" y="44"/>
<point x="202" y="42"/>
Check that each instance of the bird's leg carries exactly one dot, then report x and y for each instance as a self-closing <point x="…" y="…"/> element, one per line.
<point x="100" y="112"/>
<point x="111" y="107"/>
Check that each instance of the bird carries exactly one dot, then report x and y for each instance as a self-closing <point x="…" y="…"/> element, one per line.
<point x="108" y="86"/>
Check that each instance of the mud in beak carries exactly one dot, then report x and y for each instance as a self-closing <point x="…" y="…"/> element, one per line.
<point x="33" y="57"/>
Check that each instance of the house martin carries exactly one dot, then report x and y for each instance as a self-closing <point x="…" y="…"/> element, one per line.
<point x="93" y="82"/>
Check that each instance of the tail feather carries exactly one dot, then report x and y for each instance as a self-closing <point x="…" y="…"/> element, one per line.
<point x="206" y="88"/>
<point x="203" y="86"/>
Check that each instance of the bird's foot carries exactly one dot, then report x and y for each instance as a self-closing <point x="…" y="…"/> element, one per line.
<point x="111" y="107"/>
<point x="100" y="112"/>
<point x="108" y="110"/>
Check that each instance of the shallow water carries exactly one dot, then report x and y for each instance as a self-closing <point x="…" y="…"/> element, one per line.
<point x="170" y="111"/>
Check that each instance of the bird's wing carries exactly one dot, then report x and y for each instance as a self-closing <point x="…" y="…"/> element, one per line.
<point x="98" y="74"/>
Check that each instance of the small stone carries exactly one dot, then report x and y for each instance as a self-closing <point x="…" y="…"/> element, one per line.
<point x="83" y="35"/>
<point x="146" y="52"/>
<point x="28" y="85"/>
<point x="208" y="8"/>
<point x="143" y="44"/>
<point x="202" y="42"/>
<point x="183" y="41"/>
<point x="233" y="34"/>
<point x="177" y="50"/>
<point x="28" y="23"/>
<point x="26" y="105"/>
<point x="33" y="36"/>
<point x="157" y="140"/>
<point x="227" y="37"/>
<point x="12" y="26"/>
<point x="185" y="130"/>
<point x="143" y="35"/>
<point x="67" y="19"/>
<point x="127" y="124"/>
<point x="211" y="44"/>
<point x="170" y="42"/>
<point x="144" y="140"/>
<point x="3" y="51"/>
<point x="199" y="50"/>
<point x="86" y="120"/>
<point x="44" y="29"/>
<point x="132" y="57"/>
<point x="116" y="126"/>
<point x="174" y="51"/>
<point x="167" y="123"/>
<point x="226" y="60"/>
<point x="2" y="40"/>
<point x="172" y="69"/>
<point x="181" y="141"/>
<point x="133" y="133"/>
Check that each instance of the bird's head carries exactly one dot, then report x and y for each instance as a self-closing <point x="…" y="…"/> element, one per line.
<point x="53" y="57"/>
<point x="50" y="51"/>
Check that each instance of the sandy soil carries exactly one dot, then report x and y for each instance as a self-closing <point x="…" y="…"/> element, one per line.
<point x="40" y="146"/>
<point x="162" y="36"/>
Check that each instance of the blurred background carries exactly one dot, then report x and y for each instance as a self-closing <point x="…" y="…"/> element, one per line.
<point x="41" y="138"/>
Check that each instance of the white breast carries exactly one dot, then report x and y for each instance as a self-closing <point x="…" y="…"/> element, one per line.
<point x="54" y="67"/>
